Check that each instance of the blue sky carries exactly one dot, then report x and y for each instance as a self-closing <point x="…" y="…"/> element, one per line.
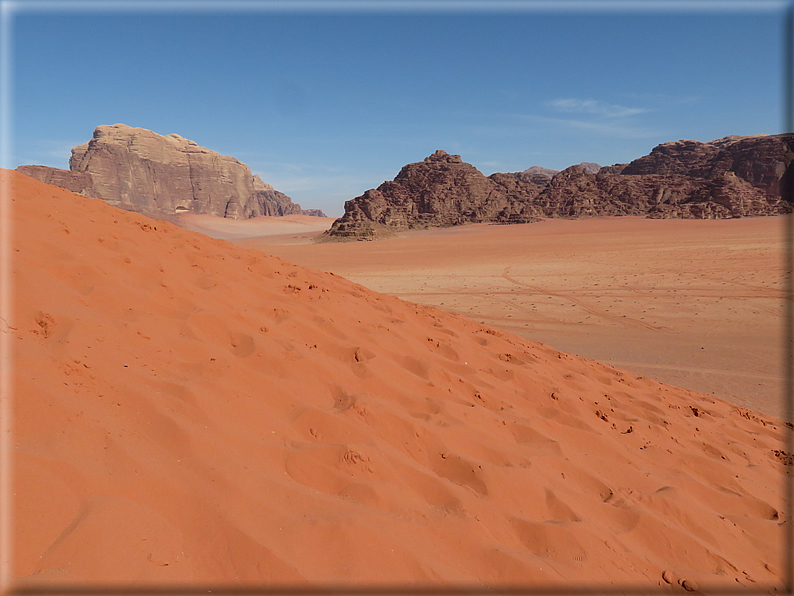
<point x="325" y="103"/>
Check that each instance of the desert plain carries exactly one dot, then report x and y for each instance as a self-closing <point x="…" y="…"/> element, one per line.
<point x="694" y="303"/>
<point x="197" y="412"/>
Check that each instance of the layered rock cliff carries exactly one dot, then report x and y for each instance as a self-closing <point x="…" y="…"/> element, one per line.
<point x="725" y="178"/>
<point x="139" y="170"/>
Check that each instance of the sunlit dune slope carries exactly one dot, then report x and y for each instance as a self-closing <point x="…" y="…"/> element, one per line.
<point x="186" y="410"/>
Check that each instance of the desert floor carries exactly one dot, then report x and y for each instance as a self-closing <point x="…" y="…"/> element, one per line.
<point x="697" y="304"/>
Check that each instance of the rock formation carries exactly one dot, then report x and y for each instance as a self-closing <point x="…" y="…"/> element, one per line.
<point x="575" y="193"/>
<point x="537" y="174"/>
<point x="440" y="191"/>
<point x="726" y="178"/>
<point x="79" y="182"/>
<point x="139" y="170"/>
<point x="761" y="160"/>
<point x="590" y="167"/>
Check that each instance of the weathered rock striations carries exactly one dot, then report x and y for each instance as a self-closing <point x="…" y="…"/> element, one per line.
<point x="726" y="178"/>
<point x="575" y="193"/>
<point x="79" y="182"/>
<point x="520" y="192"/>
<point x="761" y="160"/>
<point x="440" y="191"/>
<point x="139" y="170"/>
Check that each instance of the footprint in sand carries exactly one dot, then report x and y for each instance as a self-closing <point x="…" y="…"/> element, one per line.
<point x="242" y="344"/>
<point x="456" y="469"/>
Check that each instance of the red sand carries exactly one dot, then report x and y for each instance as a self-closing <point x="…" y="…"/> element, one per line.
<point x="697" y="304"/>
<point x="189" y="411"/>
<point x="290" y="229"/>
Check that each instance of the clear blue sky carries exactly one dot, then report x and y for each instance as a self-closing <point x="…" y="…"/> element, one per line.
<point x="326" y="103"/>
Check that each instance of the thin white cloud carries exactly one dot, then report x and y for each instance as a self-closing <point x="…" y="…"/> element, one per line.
<point x="594" y="107"/>
<point x="609" y="127"/>
<point x="614" y="127"/>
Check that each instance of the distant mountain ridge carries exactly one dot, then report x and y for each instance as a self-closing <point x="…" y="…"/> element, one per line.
<point x="725" y="178"/>
<point x="139" y="170"/>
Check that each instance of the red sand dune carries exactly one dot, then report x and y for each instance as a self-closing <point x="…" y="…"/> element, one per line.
<point x="189" y="411"/>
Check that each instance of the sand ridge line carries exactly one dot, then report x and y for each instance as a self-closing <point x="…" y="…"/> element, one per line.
<point x="687" y="294"/>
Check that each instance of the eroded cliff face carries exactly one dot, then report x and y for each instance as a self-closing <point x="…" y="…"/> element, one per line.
<point x="139" y="170"/>
<point x="725" y="178"/>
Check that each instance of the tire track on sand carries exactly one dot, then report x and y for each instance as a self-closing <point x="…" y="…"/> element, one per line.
<point x="576" y="301"/>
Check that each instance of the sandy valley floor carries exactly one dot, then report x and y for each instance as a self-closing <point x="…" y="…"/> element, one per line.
<point x="693" y="303"/>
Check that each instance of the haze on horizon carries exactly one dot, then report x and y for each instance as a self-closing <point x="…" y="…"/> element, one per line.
<point x="326" y="104"/>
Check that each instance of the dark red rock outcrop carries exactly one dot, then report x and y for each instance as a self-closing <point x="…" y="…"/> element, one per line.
<point x="726" y="178"/>
<point x="615" y="169"/>
<point x="761" y="160"/>
<point x="520" y="192"/>
<point x="576" y="193"/>
<point x="139" y="170"/>
<point x="440" y="191"/>
<point x="729" y="177"/>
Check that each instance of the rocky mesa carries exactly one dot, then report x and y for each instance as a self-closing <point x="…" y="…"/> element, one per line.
<point x="161" y="176"/>
<point x="729" y="177"/>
